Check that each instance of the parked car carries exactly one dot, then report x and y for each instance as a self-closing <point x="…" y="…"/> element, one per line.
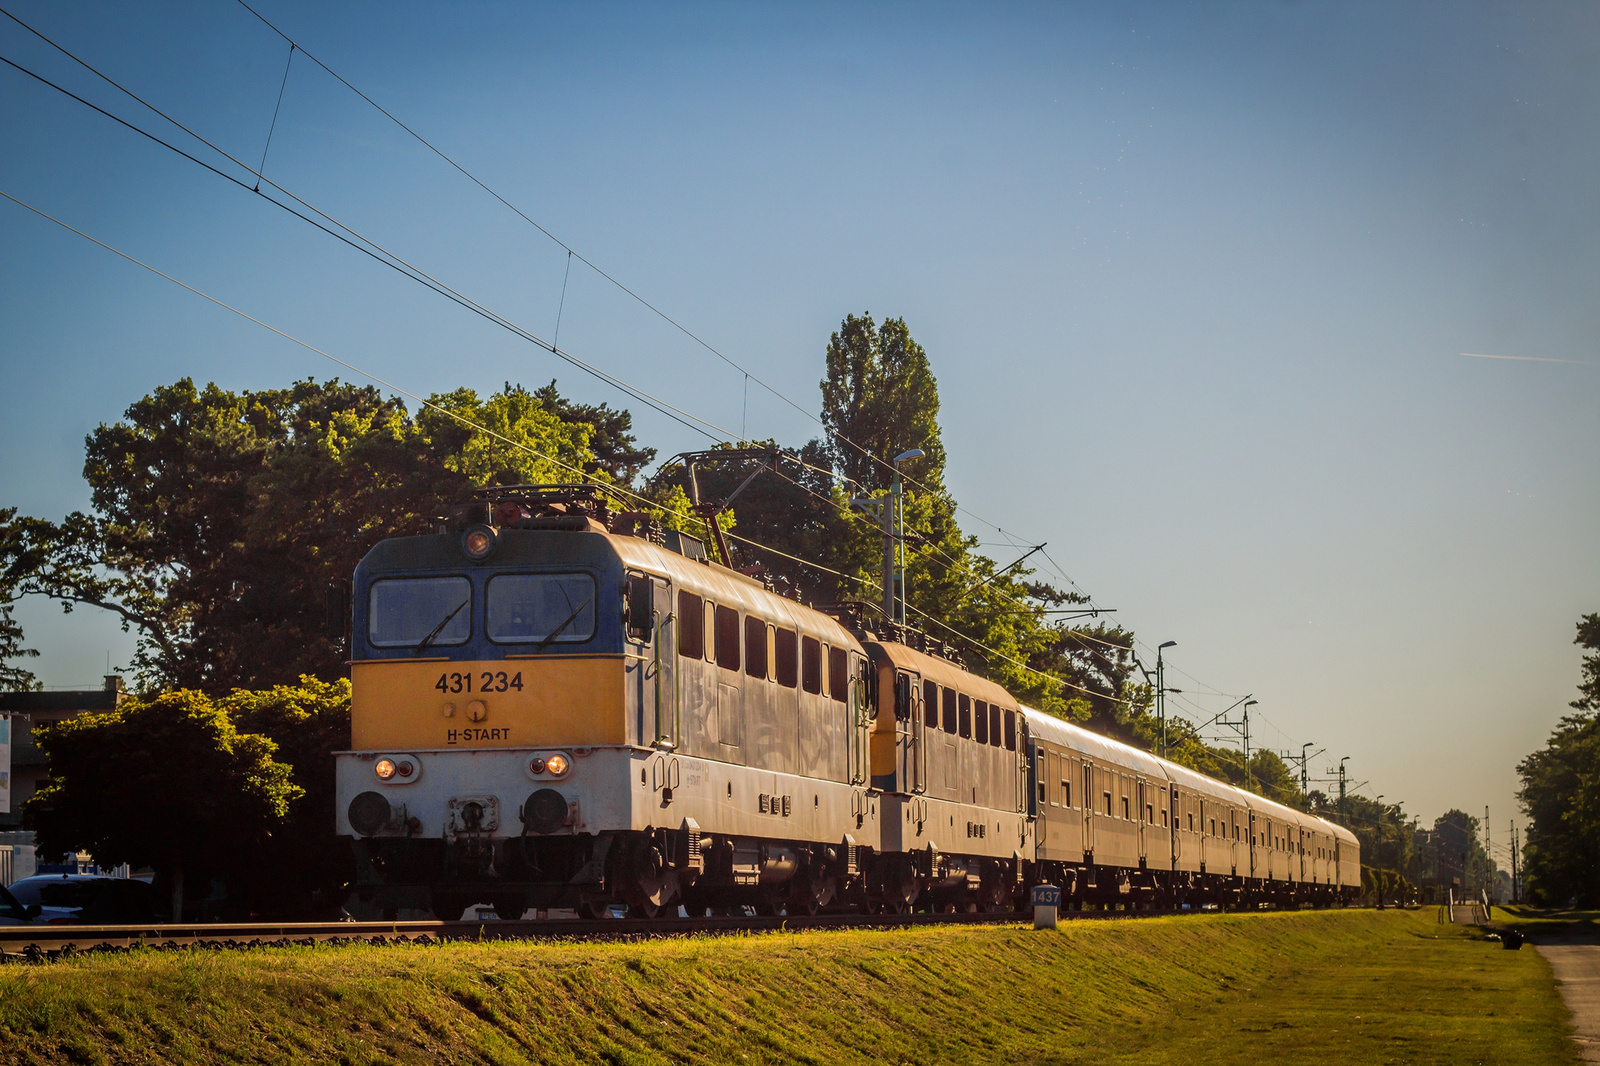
<point x="88" y="899"/>
<point x="13" y="912"/>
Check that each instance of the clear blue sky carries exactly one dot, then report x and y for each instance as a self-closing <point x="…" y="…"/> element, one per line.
<point x="1195" y="281"/>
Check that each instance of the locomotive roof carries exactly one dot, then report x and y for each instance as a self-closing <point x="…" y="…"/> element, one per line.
<point x="947" y="673"/>
<point x="728" y="588"/>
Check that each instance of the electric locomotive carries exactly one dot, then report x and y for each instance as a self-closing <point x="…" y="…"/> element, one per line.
<point x="559" y="704"/>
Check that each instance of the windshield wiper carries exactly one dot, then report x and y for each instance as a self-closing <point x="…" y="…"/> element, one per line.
<point x="556" y="632"/>
<point x="423" y="646"/>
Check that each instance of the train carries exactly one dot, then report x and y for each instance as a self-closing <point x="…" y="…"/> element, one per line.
<point x="557" y="703"/>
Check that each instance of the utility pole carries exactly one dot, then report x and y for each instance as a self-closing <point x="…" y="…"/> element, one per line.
<point x="1302" y="760"/>
<point x="1516" y="883"/>
<point x="1161" y="692"/>
<point x="1341" y="782"/>
<point x="891" y="514"/>
<point x="1488" y="856"/>
<point x="1242" y="727"/>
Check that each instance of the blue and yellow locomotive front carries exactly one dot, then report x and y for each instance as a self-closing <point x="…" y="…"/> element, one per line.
<point x="498" y="691"/>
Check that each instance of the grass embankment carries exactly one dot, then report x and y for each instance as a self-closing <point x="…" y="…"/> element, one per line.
<point x="1539" y="923"/>
<point x="1325" y="988"/>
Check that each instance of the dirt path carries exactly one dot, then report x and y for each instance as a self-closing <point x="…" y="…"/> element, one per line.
<point x="1577" y="968"/>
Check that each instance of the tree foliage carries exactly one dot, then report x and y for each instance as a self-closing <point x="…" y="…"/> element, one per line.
<point x="222" y="520"/>
<point x="168" y="782"/>
<point x="1561" y="794"/>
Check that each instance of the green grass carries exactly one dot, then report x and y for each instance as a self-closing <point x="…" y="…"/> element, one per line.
<point x="1535" y="921"/>
<point x="1324" y="988"/>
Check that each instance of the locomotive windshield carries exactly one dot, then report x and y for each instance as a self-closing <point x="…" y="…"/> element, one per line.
<point x="419" y="611"/>
<point x="541" y="608"/>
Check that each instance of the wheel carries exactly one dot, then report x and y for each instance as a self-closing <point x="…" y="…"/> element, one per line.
<point x="447" y="906"/>
<point x="509" y="907"/>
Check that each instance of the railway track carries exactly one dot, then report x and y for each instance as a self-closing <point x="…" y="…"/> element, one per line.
<point x="22" y="943"/>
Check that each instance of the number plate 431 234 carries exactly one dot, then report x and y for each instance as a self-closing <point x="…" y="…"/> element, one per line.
<point x="484" y="681"/>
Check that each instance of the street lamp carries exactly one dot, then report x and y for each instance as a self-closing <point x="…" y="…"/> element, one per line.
<point x="898" y="590"/>
<point x="1305" y="779"/>
<point x="1161" y="693"/>
<point x="1249" y="775"/>
<point x="1378" y="853"/>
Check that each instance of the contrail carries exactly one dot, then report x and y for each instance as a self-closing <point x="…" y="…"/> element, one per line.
<point x="1528" y="359"/>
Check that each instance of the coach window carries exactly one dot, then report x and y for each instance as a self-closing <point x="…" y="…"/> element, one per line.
<point x="964" y="715"/>
<point x="1066" y="784"/>
<point x="930" y="705"/>
<point x="787" y="643"/>
<point x="755" y="647"/>
<point x="1011" y="730"/>
<point x="810" y="664"/>
<point x="839" y="675"/>
<point x="1107" y="797"/>
<point x="692" y="627"/>
<point x="727" y="633"/>
<point x="1127" y="815"/>
<point x="949" y="707"/>
<point x="980" y="720"/>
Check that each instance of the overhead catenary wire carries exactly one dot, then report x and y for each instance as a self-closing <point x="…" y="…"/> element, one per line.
<point x="389" y="258"/>
<point x="355" y="239"/>
<point x="571" y="251"/>
<point x="457" y="416"/>
<point x="378" y="252"/>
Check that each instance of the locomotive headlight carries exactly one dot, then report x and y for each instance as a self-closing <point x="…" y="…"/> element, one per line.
<point x="556" y="764"/>
<point x="384" y="768"/>
<point x="478" y="542"/>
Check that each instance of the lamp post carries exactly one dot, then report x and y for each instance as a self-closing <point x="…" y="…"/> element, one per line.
<point x="1377" y="855"/>
<point x="898" y="606"/>
<point x="1305" y="779"/>
<point x="1249" y="775"/>
<point x="1161" y="693"/>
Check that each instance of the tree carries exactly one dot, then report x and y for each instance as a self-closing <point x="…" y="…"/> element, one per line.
<point x="167" y="782"/>
<point x="301" y="870"/>
<point x="221" y="520"/>
<point x="617" y="456"/>
<point x="12" y="677"/>
<point x="1561" y="794"/>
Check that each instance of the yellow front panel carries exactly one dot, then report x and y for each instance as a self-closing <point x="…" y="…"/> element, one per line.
<point x="562" y="702"/>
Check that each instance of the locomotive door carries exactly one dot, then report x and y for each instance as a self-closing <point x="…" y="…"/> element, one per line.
<point x="663" y="674"/>
<point x="917" y="763"/>
<point x="860" y="710"/>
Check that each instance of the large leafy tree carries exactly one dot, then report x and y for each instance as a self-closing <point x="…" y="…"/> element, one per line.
<point x="1561" y="794"/>
<point x="221" y="521"/>
<point x="302" y="867"/>
<point x="168" y="782"/>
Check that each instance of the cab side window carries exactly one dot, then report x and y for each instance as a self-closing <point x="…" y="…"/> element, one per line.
<point x="930" y="705"/>
<point x="994" y="726"/>
<point x="949" y="706"/>
<point x="755" y="647"/>
<point x="691" y="626"/>
<point x="980" y="721"/>
<point x="810" y="664"/>
<point x="727" y="634"/>
<point x="839" y="675"/>
<point x="787" y="645"/>
<point x="964" y="715"/>
<point x="1011" y="730"/>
